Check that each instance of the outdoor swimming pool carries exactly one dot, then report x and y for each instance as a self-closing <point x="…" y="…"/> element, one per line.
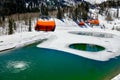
<point x="87" y="47"/>
<point x="32" y="63"/>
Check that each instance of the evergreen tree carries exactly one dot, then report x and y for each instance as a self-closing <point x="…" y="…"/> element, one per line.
<point x="86" y="7"/>
<point x="75" y="14"/>
<point x="30" y="29"/>
<point x="14" y="24"/>
<point x="83" y="10"/>
<point x="84" y="15"/>
<point x="102" y="8"/>
<point x="10" y="26"/>
<point x="59" y="13"/>
<point x="71" y="12"/>
<point x="44" y="10"/>
<point x="109" y="18"/>
<point x="117" y="5"/>
<point x="0" y="21"/>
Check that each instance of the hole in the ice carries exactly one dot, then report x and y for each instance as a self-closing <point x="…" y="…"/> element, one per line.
<point x="87" y="47"/>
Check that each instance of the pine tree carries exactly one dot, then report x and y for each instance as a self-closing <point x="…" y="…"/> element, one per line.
<point x="44" y="10"/>
<point x="109" y="18"/>
<point x="29" y="29"/>
<point x="59" y="13"/>
<point x="83" y="10"/>
<point x="84" y="15"/>
<point x="117" y="9"/>
<point x="75" y="15"/>
<point x="0" y="21"/>
<point x="14" y="24"/>
<point x="102" y="7"/>
<point x="10" y="26"/>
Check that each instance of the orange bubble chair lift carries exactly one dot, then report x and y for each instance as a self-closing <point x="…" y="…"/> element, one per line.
<point x="45" y="24"/>
<point x="81" y="23"/>
<point x="94" y="22"/>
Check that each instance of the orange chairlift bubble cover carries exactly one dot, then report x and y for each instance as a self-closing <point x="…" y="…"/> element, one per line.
<point x="93" y="21"/>
<point x="81" y="23"/>
<point x="96" y="21"/>
<point x="45" y="23"/>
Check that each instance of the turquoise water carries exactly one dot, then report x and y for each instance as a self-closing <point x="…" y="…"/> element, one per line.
<point x="32" y="63"/>
<point x="87" y="47"/>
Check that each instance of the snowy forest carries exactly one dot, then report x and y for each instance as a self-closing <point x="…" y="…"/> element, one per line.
<point x="24" y="10"/>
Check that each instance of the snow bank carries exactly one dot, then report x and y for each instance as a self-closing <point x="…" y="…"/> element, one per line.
<point x="116" y="78"/>
<point x="21" y="39"/>
<point x="21" y="36"/>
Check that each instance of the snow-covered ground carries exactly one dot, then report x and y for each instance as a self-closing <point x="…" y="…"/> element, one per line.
<point x="115" y="24"/>
<point x="110" y="24"/>
<point x="21" y="39"/>
<point x="62" y="38"/>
